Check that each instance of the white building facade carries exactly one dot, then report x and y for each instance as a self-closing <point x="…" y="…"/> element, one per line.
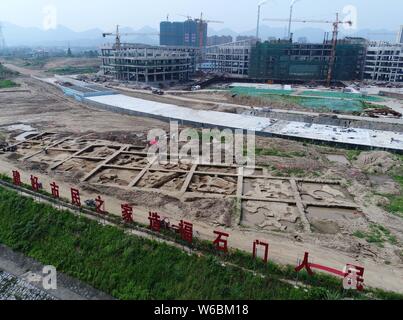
<point x="384" y="62"/>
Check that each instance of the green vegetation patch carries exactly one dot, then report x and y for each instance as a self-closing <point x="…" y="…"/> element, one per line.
<point x="316" y="100"/>
<point x="377" y="234"/>
<point x="125" y="266"/>
<point x="342" y="95"/>
<point x="396" y="201"/>
<point x="259" y="92"/>
<point x="6" y="73"/>
<point x="129" y="267"/>
<point x="279" y="153"/>
<point x="73" y="70"/>
<point x="4" y="84"/>
<point x="352" y="155"/>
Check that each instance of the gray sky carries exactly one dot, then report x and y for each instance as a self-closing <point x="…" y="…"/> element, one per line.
<point x="239" y="15"/>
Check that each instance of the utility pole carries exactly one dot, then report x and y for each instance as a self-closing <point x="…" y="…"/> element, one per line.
<point x="2" y="40"/>
<point x="293" y="2"/>
<point x="260" y="4"/>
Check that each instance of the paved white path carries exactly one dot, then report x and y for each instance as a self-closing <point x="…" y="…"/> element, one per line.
<point x="363" y="137"/>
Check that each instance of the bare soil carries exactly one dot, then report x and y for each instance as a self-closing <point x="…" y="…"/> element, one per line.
<point x="210" y="202"/>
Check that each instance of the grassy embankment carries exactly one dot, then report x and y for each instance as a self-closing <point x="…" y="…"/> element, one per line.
<point x="5" y="75"/>
<point x="73" y="70"/>
<point x="129" y="267"/>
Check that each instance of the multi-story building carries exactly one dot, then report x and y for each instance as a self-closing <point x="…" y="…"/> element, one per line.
<point x="286" y="61"/>
<point x="148" y="64"/>
<point x="384" y="62"/>
<point x="190" y="33"/>
<point x="400" y="35"/>
<point x="231" y="59"/>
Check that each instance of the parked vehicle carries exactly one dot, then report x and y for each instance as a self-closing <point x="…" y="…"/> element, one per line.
<point x="158" y="92"/>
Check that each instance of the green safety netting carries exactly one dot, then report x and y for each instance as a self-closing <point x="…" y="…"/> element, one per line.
<point x="259" y="92"/>
<point x="342" y="95"/>
<point x="333" y="105"/>
<point x="347" y="102"/>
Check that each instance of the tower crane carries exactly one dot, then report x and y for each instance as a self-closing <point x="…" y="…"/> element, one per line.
<point x="336" y="25"/>
<point x="118" y="36"/>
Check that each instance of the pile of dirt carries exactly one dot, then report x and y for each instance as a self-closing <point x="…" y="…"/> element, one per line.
<point x="383" y="184"/>
<point x="378" y="162"/>
<point x="290" y="163"/>
<point x="134" y="138"/>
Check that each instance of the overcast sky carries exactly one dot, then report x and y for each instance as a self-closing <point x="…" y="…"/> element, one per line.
<point x="239" y="15"/>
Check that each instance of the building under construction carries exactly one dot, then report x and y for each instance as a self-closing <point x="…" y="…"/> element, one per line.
<point x="148" y="64"/>
<point x="287" y="61"/>
<point x="384" y="62"/>
<point x="231" y="59"/>
<point x="283" y="60"/>
<point x="190" y="33"/>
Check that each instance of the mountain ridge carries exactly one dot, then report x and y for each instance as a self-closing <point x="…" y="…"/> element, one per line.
<point x="62" y="36"/>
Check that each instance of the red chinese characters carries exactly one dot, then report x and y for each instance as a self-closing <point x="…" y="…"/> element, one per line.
<point x="155" y="221"/>
<point x="266" y="250"/>
<point x="305" y="265"/>
<point x="220" y="243"/>
<point x="35" y="183"/>
<point x="354" y="277"/>
<point x="55" y="190"/>
<point x="75" y="197"/>
<point x="186" y="231"/>
<point x="127" y="213"/>
<point x="16" y="178"/>
<point x="100" y="205"/>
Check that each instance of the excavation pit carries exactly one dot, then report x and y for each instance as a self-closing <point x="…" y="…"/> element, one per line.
<point x="268" y="188"/>
<point x="130" y="160"/>
<point x="324" y="193"/>
<point x="167" y="181"/>
<point x="217" y="169"/>
<point x="213" y="184"/>
<point x="270" y="216"/>
<point x="73" y="145"/>
<point x="99" y="151"/>
<point x="333" y="220"/>
<point x="114" y="177"/>
<point x="77" y="168"/>
<point x="51" y="157"/>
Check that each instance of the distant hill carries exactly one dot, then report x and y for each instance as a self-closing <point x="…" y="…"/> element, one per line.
<point x="61" y="36"/>
<point x="21" y="36"/>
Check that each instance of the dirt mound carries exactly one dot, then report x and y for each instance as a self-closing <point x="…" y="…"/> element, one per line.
<point x="378" y="162"/>
<point x="135" y="138"/>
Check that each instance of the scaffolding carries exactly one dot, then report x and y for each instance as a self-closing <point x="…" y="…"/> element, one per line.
<point x="148" y="64"/>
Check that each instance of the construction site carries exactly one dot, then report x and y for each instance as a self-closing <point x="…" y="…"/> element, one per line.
<point x="327" y="176"/>
<point x="299" y="195"/>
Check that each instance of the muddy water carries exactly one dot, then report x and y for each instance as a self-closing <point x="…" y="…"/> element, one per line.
<point x="331" y="220"/>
